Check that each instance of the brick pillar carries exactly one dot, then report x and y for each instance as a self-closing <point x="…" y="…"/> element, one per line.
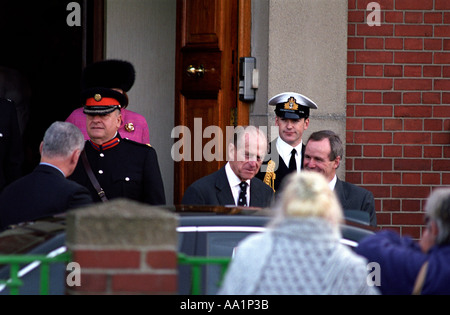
<point x="123" y="247"/>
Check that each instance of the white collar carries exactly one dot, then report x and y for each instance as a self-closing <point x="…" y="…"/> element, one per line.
<point x="233" y="179"/>
<point x="284" y="150"/>
<point x="332" y="183"/>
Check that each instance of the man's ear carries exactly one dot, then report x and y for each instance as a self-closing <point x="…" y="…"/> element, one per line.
<point x="41" y="146"/>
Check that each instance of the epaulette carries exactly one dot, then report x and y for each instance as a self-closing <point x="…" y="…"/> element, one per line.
<point x="146" y="145"/>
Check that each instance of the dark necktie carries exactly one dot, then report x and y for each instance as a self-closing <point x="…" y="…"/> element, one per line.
<point x="242" y="200"/>
<point x="292" y="162"/>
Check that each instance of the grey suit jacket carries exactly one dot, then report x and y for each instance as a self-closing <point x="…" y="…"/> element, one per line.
<point x="353" y="197"/>
<point x="215" y="190"/>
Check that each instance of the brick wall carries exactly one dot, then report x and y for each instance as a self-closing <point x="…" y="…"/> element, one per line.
<point x="398" y="106"/>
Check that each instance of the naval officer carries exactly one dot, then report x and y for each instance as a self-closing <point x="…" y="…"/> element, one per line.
<point x="286" y="151"/>
<point x="120" y="167"/>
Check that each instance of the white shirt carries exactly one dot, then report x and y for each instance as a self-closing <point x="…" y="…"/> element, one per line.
<point x="332" y="184"/>
<point x="234" y="182"/>
<point x="285" y="150"/>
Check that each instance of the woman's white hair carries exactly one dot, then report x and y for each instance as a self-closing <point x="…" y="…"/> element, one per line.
<point x="308" y="195"/>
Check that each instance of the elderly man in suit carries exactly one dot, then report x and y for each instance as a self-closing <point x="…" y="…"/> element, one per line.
<point x="323" y="153"/>
<point x="46" y="191"/>
<point x="235" y="184"/>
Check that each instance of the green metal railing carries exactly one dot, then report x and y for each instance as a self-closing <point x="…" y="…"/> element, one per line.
<point x="16" y="261"/>
<point x="196" y="264"/>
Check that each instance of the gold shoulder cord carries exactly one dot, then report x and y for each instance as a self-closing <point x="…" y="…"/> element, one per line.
<point x="269" y="178"/>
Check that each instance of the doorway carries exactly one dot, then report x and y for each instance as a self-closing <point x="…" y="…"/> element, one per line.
<point x="211" y="37"/>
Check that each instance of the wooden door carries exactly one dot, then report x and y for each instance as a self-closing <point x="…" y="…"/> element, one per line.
<point x="206" y="81"/>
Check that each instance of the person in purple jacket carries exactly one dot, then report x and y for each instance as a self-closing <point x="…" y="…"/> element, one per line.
<point x="118" y="75"/>
<point x="409" y="267"/>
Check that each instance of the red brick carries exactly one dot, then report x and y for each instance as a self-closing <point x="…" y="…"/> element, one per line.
<point x="355" y="70"/>
<point x="371" y="178"/>
<point x="374" y="71"/>
<point x="410" y="192"/>
<point x="432" y="71"/>
<point x="413" y="17"/>
<point x="393" y="71"/>
<point x="411" y="178"/>
<point x="374" y="57"/>
<point x="373" y="164"/>
<point x="442" y="5"/>
<point x="144" y="283"/>
<point x="412" y="98"/>
<point x="356" y="17"/>
<point x="373" y="111"/>
<point x="441" y="138"/>
<point x="432" y="152"/>
<point x="373" y="124"/>
<point x="431" y="179"/>
<point x="441" y="111"/>
<point x="353" y="177"/>
<point x="392" y="178"/>
<point x="354" y="124"/>
<point x="374" y="43"/>
<point x="92" y="283"/>
<point x="414" y="4"/>
<point x="393" y="151"/>
<point x="161" y="259"/>
<point x="391" y="205"/>
<point x="379" y="191"/>
<point x="412" y="151"/>
<point x="414" y="30"/>
<point x="412" y="164"/>
<point x="393" y="124"/>
<point x="442" y="31"/>
<point x="442" y="85"/>
<point x="107" y="258"/>
<point x="354" y="97"/>
<point x="441" y="58"/>
<point x="355" y="43"/>
<point x="353" y="151"/>
<point x="372" y="97"/>
<point x="412" y="84"/>
<point x="392" y="98"/>
<point x="433" y="17"/>
<point x="413" y="71"/>
<point x="411" y="205"/>
<point x="384" y="4"/>
<point x="412" y="138"/>
<point x="393" y="17"/>
<point x="432" y="44"/>
<point x="431" y="98"/>
<point x="413" y="124"/>
<point x="373" y="151"/>
<point x="383" y="30"/>
<point x="445" y="178"/>
<point x="373" y="137"/>
<point x="413" y="111"/>
<point x="413" y="44"/>
<point x="375" y="84"/>
<point x="394" y="43"/>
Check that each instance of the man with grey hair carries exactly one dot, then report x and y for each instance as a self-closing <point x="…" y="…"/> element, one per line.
<point x="47" y="191"/>
<point x="409" y="267"/>
<point x="235" y="184"/>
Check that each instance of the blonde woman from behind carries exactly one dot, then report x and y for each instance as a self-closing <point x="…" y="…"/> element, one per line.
<point x="300" y="252"/>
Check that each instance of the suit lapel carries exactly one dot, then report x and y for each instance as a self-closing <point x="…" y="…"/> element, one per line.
<point x="223" y="190"/>
<point x="340" y="193"/>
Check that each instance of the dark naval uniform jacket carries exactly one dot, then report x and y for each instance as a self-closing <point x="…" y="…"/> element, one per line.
<point x="11" y="149"/>
<point x="282" y="169"/>
<point x="124" y="169"/>
<point x="43" y="193"/>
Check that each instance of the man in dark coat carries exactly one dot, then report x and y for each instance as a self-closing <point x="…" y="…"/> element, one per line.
<point x="11" y="147"/>
<point x="46" y="191"/>
<point x="323" y="153"/>
<point x="235" y="184"/>
<point x="122" y="168"/>
<point x="286" y="152"/>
